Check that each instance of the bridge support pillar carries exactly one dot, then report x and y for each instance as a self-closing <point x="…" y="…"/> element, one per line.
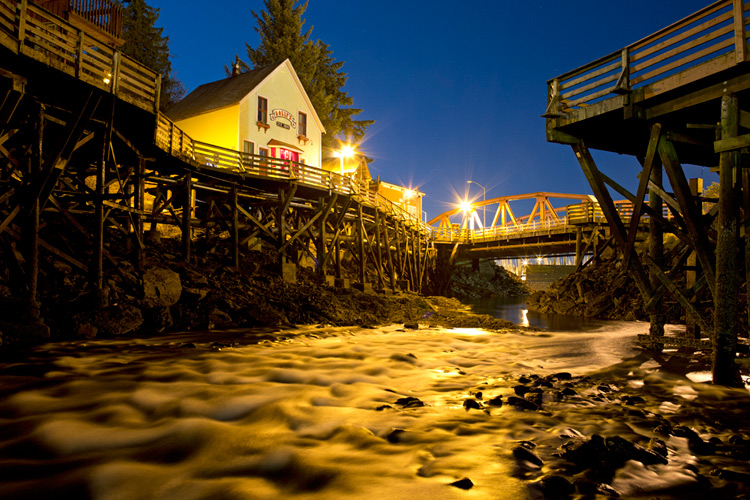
<point x="726" y="325"/>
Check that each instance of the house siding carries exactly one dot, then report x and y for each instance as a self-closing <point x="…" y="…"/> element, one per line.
<point x="282" y="94"/>
<point x="219" y="127"/>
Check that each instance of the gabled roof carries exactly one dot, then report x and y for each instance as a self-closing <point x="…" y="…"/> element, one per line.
<point x="230" y="91"/>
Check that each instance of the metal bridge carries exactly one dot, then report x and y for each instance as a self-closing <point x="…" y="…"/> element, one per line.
<point x="546" y="230"/>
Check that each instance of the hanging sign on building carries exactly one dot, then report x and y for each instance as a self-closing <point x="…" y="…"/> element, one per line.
<point x="283" y="115"/>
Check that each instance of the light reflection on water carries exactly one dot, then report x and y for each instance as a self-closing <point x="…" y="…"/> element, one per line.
<point x="514" y="309"/>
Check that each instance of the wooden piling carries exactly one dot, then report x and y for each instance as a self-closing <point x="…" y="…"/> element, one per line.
<point x="724" y="370"/>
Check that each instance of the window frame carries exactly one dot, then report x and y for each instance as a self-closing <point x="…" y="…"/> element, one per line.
<point x="263" y="109"/>
<point x="302" y="123"/>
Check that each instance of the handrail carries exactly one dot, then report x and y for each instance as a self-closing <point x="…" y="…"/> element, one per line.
<point x="170" y="138"/>
<point x="706" y="42"/>
<point x="30" y="30"/>
<point x="574" y="215"/>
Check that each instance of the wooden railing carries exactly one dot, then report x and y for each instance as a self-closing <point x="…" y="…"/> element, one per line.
<point x="30" y="30"/>
<point x="176" y="142"/>
<point x="707" y="42"/>
<point x="105" y="14"/>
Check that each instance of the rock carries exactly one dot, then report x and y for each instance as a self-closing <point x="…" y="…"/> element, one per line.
<point x="554" y="486"/>
<point x="464" y="484"/>
<point x="520" y="390"/>
<point x="592" y="489"/>
<point x="161" y="287"/>
<point x="524" y="454"/>
<point x="411" y="326"/>
<point x="658" y="446"/>
<point x="496" y="401"/>
<point x="522" y="404"/>
<point x="478" y="395"/>
<point x="470" y="404"/>
<point x="395" y="436"/>
<point x="112" y="320"/>
<point x="696" y="444"/>
<point x="409" y="402"/>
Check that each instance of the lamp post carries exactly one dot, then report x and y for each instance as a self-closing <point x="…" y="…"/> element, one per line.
<point x="484" y="207"/>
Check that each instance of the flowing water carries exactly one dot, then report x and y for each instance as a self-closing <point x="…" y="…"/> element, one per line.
<point x="312" y="413"/>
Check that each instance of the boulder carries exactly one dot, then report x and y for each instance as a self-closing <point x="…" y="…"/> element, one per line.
<point x="161" y="287"/>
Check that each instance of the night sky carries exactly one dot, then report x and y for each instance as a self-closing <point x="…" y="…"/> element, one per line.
<point x="456" y="92"/>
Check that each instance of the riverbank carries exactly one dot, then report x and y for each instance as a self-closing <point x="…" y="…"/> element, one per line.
<point x="207" y="294"/>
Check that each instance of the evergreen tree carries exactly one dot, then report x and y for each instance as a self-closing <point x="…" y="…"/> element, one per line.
<point x="145" y="43"/>
<point x="282" y="36"/>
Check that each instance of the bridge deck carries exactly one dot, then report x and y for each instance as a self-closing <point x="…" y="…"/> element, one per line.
<point x="675" y="75"/>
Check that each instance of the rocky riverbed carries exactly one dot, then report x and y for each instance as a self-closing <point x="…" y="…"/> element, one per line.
<point x="207" y="294"/>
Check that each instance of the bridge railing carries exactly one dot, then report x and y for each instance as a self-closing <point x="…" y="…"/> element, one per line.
<point x="177" y="143"/>
<point x="569" y="216"/>
<point x="704" y="43"/>
<point x="32" y="31"/>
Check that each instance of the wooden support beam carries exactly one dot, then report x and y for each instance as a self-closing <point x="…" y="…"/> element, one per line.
<point x="648" y="164"/>
<point x="691" y="215"/>
<point x="361" y="238"/>
<point x="389" y="255"/>
<point x="235" y="250"/>
<point x="610" y="212"/>
<point x="101" y="179"/>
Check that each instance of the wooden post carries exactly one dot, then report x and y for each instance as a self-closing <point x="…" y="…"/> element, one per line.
<point x="361" y="238"/>
<point x="378" y="253"/>
<point x="235" y="229"/>
<point x="321" y="241"/>
<point x="692" y="329"/>
<point x="579" y="246"/>
<point x="726" y="325"/>
<point x="740" y="43"/>
<point x="746" y="208"/>
<point x="656" y="312"/>
<point x="101" y="181"/>
<point x="187" y="216"/>
<point x="389" y="255"/>
<point x="30" y="231"/>
<point x="140" y="205"/>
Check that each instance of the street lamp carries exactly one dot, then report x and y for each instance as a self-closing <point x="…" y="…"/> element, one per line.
<point x="484" y="207"/>
<point x="346" y="151"/>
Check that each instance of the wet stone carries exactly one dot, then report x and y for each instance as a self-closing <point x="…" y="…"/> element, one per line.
<point x="471" y="404"/>
<point x="383" y="407"/>
<point x="554" y="486"/>
<point x="464" y="484"/>
<point x="395" y="436"/>
<point x="520" y="390"/>
<point x="525" y="455"/>
<point x="410" y="402"/>
<point x="522" y="404"/>
<point x="496" y="401"/>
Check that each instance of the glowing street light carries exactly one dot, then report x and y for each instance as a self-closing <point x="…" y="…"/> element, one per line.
<point x="346" y="151"/>
<point x="484" y="198"/>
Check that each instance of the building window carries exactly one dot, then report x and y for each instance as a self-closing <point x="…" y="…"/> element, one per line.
<point x="263" y="151"/>
<point x="248" y="147"/>
<point x="262" y="110"/>
<point x="302" y="124"/>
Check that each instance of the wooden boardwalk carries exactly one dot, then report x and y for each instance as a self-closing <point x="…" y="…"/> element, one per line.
<point x="88" y="161"/>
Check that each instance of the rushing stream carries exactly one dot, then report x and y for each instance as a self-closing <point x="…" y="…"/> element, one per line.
<point x="314" y="414"/>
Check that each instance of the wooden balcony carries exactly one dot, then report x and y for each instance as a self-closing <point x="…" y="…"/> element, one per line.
<point x="672" y="74"/>
<point x="99" y="18"/>
<point x="32" y="31"/>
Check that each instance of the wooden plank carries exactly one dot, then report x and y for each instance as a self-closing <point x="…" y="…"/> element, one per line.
<point x="732" y="143"/>
<point x="588" y="76"/>
<point x="740" y="44"/>
<point x="591" y="86"/>
<point x="682" y="49"/>
<point x="685" y="60"/>
<point x="682" y="36"/>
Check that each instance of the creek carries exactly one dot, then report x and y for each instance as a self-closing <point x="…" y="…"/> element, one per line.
<point x="314" y="413"/>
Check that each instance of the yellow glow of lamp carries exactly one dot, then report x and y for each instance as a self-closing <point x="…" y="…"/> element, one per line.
<point x="346" y="151"/>
<point x="467" y="207"/>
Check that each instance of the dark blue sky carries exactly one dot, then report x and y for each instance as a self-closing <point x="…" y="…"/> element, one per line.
<point x="456" y="88"/>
